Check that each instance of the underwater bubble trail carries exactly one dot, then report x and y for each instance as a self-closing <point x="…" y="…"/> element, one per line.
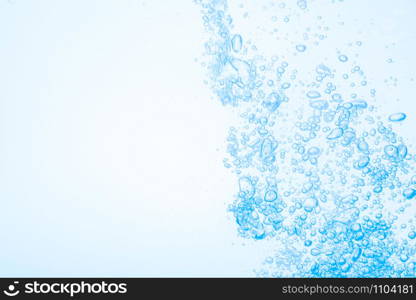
<point x="322" y="174"/>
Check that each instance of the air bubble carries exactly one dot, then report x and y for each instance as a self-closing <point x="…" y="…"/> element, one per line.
<point x="237" y="42"/>
<point x="343" y="58"/>
<point x="270" y="196"/>
<point x="309" y="204"/>
<point x="397" y="117"/>
<point x="313" y="94"/>
<point x="300" y="48"/>
<point x="409" y="193"/>
<point x="302" y="4"/>
<point x="319" y="104"/>
<point x="335" y="133"/>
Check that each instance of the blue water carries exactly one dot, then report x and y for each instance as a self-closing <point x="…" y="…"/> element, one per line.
<point x="322" y="175"/>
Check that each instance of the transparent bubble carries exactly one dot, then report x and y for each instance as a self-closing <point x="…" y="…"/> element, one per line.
<point x="300" y="48"/>
<point x="397" y="117"/>
<point x="343" y="58"/>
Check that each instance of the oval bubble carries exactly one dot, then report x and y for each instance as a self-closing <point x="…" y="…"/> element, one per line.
<point x="319" y="104"/>
<point x="391" y="151"/>
<point x="313" y="94"/>
<point x="335" y="133"/>
<point x="409" y="193"/>
<point x="300" y="48"/>
<point x="270" y="196"/>
<point x="343" y="58"/>
<point x="309" y="204"/>
<point x="314" y="151"/>
<point x="397" y="117"/>
<point x="237" y="42"/>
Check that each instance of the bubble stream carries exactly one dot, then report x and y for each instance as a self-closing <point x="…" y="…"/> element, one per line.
<point x="317" y="168"/>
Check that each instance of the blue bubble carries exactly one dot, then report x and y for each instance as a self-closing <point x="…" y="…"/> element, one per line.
<point x="391" y="151"/>
<point x="309" y="204"/>
<point x="336" y="97"/>
<point x="378" y="189"/>
<point x="314" y="151"/>
<point x="362" y="162"/>
<point x="402" y="151"/>
<point x="360" y="103"/>
<point x="300" y="48"/>
<point x="315" y="252"/>
<point x="343" y="58"/>
<point x="397" y="117"/>
<point x="302" y="4"/>
<point x="356" y="253"/>
<point x="362" y="146"/>
<point x="237" y="42"/>
<point x="335" y="134"/>
<point x="404" y="257"/>
<point x="409" y="193"/>
<point x="319" y="104"/>
<point x="313" y="94"/>
<point x="270" y="196"/>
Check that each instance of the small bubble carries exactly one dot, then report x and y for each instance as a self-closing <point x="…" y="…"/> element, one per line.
<point x="335" y="133"/>
<point x="313" y="94"/>
<point x="319" y="104"/>
<point x="300" y="48"/>
<point x="270" y="196"/>
<point x="302" y="4"/>
<point x="363" y="162"/>
<point x="397" y="117"/>
<point x="237" y="43"/>
<point x="308" y="243"/>
<point x="336" y="97"/>
<point x="343" y="58"/>
<point x="404" y="257"/>
<point x="409" y="193"/>
<point x="309" y="204"/>
<point x="313" y="151"/>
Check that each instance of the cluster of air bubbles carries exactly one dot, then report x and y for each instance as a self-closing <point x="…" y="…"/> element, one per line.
<point x="320" y="172"/>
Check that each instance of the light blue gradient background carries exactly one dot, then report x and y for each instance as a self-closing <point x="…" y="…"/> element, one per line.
<point x="111" y="145"/>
